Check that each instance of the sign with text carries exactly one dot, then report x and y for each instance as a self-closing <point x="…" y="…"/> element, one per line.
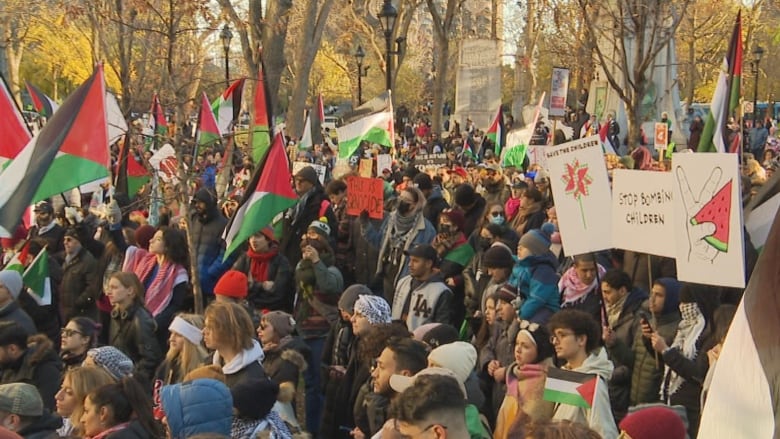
<point x="297" y="166"/>
<point x="426" y="161"/>
<point x="661" y="135"/>
<point x="708" y="219"/>
<point x="578" y="175"/>
<point x="559" y="90"/>
<point x="643" y="212"/>
<point x="383" y="161"/>
<point x="365" y="194"/>
<point x="366" y="167"/>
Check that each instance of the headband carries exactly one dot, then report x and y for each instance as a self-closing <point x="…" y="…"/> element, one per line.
<point x="531" y="336"/>
<point x="187" y="330"/>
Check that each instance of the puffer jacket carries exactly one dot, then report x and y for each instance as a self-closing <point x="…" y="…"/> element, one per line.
<point x="199" y="406"/>
<point x="206" y="231"/>
<point x="648" y="366"/>
<point x="132" y="331"/>
<point x="536" y="280"/>
<point x="599" y="417"/>
<point x="80" y="287"/>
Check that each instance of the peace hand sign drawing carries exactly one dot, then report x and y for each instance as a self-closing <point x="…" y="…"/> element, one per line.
<point x="707" y="216"/>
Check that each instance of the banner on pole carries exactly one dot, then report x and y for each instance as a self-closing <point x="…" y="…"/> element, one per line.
<point x="559" y="91"/>
<point x="661" y="136"/>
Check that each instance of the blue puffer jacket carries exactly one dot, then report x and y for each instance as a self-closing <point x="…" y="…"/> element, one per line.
<point x="199" y="406"/>
<point x="537" y="282"/>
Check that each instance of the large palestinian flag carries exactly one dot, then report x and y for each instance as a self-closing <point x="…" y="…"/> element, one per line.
<point x="269" y="193"/>
<point x="569" y="387"/>
<point x="261" y="126"/>
<point x="15" y="133"/>
<point x="228" y="106"/>
<point x="370" y="122"/>
<point x="70" y="150"/>
<point x="44" y="105"/>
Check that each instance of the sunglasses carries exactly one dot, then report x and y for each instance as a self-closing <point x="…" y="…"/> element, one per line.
<point x="495" y="214"/>
<point x="70" y="332"/>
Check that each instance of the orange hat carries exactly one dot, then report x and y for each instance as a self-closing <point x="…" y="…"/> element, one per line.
<point x="232" y="284"/>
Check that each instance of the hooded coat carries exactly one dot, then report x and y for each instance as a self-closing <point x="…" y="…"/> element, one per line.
<point x="536" y="280"/>
<point x="199" y="406"/>
<point x="40" y="366"/>
<point x="43" y="427"/>
<point x="599" y="417"/>
<point x="206" y="231"/>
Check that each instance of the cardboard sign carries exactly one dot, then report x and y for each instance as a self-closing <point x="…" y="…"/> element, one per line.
<point x="365" y="194"/>
<point x="708" y="219"/>
<point x="341" y="168"/>
<point x="384" y="161"/>
<point x="297" y="166"/>
<point x="661" y="135"/>
<point x="578" y="175"/>
<point x="366" y="168"/>
<point x="643" y="212"/>
<point x="426" y="161"/>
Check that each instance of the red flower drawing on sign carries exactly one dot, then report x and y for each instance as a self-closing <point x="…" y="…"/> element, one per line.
<point x="577" y="181"/>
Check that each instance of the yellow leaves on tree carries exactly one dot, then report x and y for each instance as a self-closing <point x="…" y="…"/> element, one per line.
<point x="332" y="74"/>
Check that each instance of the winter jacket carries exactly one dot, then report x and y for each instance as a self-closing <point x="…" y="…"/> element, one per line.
<point x="80" y="287"/>
<point x="13" y="313"/>
<point x="339" y="411"/>
<point x="502" y="349"/>
<point x="298" y="219"/>
<point x="599" y="417"/>
<point x="496" y="193"/>
<point x="46" y="317"/>
<point x="316" y="305"/>
<point x="589" y="303"/>
<point x="284" y="363"/>
<point x="537" y="282"/>
<point x="40" y="366"/>
<point x="132" y="331"/>
<point x="473" y="217"/>
<point x="43" y="427"/>
<point x="648" y="365"/>
<point x="453" y="265"/>
<point x="370" y="410"/>
<point x="134" y="430"/>
<point x="278" y="298"/>
<point x="430" y="302"/>
<point x="54" y="236"/>
<point x="199" y="406"/>
<point x="524" y="395"/>
<point x="206" y="232"/>
<point x="635" y="264"/>
<point x="246" y="365"/>
<point x="621" y="353"/>
<point x="434" y="205"/>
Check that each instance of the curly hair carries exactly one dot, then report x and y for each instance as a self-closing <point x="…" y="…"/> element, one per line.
<point x="375" y="340"/>
<point x="176" y="248"/>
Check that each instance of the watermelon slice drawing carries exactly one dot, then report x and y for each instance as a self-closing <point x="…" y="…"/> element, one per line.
<point x="718" y="212"/>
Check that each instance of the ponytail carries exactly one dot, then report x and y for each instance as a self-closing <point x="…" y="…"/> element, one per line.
<point x="128" y="401"/>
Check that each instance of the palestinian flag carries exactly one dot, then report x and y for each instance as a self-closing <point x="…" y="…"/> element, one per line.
<point x="496" y="132"/>
<point x="36" y="278"/>
<point x="12" y="125"/>
<point x="370" y="122"/>
<point x="17" y="261"/>
<point x="44" y="105"/>
<point x="468" y="148"/>
<point x="461" y="254"/>
<point x="130" y="175"/>
<point x="569" y="387"/>
<point x="70" y="150"/>
<point x="516" y="149"/>
<point x="261" y="127"/>
<point x="228" y="106"/>
<point x="157" y="119"/>
<point x="714" y="138"/>
<point x="270" y="194"/>
<point x="208" y="131"/>
<point x="743" y="400"/>
<point x="312" y="132"/>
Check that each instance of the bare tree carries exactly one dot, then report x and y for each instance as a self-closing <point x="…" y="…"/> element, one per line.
<point x="442" y="27"/>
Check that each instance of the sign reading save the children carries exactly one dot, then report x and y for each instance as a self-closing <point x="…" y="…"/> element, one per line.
<point x="643" y="212"/>
<point x="580" y="185"/>
<point x="365" y="194"/>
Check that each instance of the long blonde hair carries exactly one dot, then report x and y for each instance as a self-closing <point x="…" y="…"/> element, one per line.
<point x="84" y="380"/>
<point x="191" y="356"/>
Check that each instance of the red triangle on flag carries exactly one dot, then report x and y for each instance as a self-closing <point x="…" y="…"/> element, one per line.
<point x="278" y="181"/>
<point x="207" y="121"/>
<point x="88" y="135"/>
<point x="12" y="125"/>
<point x="588" y="390"/>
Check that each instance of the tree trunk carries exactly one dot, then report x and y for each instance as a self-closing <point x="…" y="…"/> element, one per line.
<point x="440" y="81"/>
<point x="274" y="35"/>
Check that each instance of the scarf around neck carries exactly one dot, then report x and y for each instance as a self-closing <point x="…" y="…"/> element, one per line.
<point x="688" y="332"/>
<point x="160" y="290"/>
<point x="573" y="289"/>
<point x="259" y="263"/>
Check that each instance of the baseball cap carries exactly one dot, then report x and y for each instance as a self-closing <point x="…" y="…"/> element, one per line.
<point x="21" y="399"/>
<point x="43" y="207"/>
<point x="458" y="171"/>
<point x="399" y="383"/>
<point x="424" y="251"/>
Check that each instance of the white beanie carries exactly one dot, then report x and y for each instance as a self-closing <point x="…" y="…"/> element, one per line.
<point x="12" y="280"/>
<point x="459" y="357"/>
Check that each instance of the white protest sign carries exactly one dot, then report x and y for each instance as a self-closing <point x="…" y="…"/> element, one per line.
<point x="297" y="166"/>
<point x="643" y="212"/>
<point x="708" y="219"/>
<point x="383" y="161"/>
<point x="580" y="185"/>
<point x="341" y="168"/>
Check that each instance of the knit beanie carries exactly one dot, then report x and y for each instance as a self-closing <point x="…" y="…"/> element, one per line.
<point x="321" y="226"/>
<point x="143" y="235"/>
<point x="283" y="323"/>
<point x="112" y="360"/>
<point x="374" y="308"/>
<point x="308" y="174"/>
<point x="12" y="280"/>
<point x="232" y="284"/>
<point x="459" y="357"/>
<point x="538" y="241"/>
<point x="254" y="398"/>
<point x="465" y="195"/>
<point x="456" y="217"/>
<point x="436" y="334"/>
<point x="498" y="256"/>
<point x="507" y="293"/>
<point x="350" y="296"/>
<point x="653" y="422"/>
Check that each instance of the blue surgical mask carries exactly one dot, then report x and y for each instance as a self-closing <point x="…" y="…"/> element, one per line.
<point x="498" y="219"/>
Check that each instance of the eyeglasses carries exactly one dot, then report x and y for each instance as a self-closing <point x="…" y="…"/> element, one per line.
<point x="558" y="337"/>
<point x="529" y="326"/>
<point x="495" y="214"/>
<point x="66" y="332"/>
<point x="420" y="433"/>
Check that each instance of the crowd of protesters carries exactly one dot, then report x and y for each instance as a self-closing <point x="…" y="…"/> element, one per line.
<point x="442" y="319"/>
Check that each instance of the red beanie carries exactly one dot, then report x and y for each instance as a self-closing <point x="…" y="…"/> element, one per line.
<point x="143" y="235"/>
<point x="653" y="422"/>
<point x="232" y="284"/>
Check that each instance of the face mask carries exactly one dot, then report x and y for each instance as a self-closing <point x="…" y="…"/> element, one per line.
<point x="445" y="228"/>
<point x="484" y="243"/>
<point x="404" y="208"/>
<point x="497" y="220"/>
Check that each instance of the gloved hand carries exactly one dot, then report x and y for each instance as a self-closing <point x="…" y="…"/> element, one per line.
<point x="533" y="370"/>
<point x="114" y="213"/>
<point x="73" y="215"/>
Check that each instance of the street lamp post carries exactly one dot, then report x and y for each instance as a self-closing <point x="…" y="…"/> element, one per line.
<point x="226" y="35"/>
<point x="387" y="17"/>
<point x="758" y="52"/>
<point x="360" y="55"/>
